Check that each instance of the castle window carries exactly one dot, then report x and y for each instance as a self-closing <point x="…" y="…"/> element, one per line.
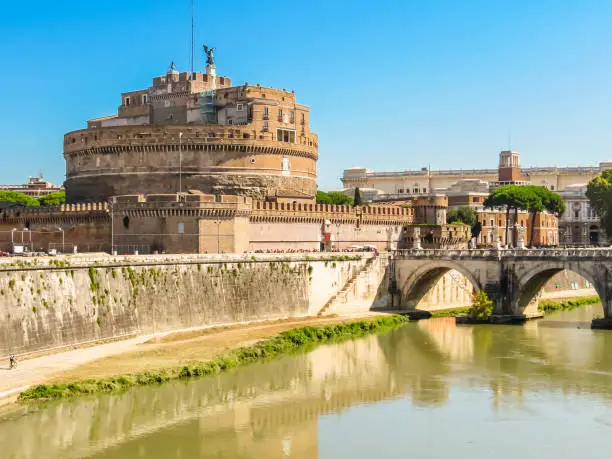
<point x="424" y="190"/>
<point x="126" y="222"/>
<point x="280" y="115"/>
<point x="145" y="98"/>
<point x="302" y="118"/>
<point x="265" y="114"/>
<point x="492" y="222"/>
<point x="265" y="126"/>
<point x="240" y="107"/>
<point x="285" y="135"/>
<point x="400" y="191"/>
<point x="127" y="101"/>
<point x="292" y="117"/>
<point x="181" y="228"/>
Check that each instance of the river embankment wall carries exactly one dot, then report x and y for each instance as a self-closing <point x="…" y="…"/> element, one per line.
<point x="50" y="303"/>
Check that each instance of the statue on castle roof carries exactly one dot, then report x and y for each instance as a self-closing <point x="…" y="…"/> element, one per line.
<point x="210" y="55"/>
<point x="172" y="66"/>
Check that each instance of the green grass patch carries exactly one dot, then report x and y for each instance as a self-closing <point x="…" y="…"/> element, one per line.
<point x="550" y="306"/>
<point x="452" y="312"/>
<point x="286" y="343"/>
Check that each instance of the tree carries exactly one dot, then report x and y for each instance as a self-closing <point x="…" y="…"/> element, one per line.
<point x="357" y="200"/>
<point x="53" y="199"/>
<point x="540" y="199"/>
<point x="18" y="198"/>
<point x="482" y="306"/>
<point x="525" y="197"/>
<point x="499" y="197"/>
<point x="334" y="197"/>
<point x="466" y="215"/>
<point x="476" y="230"/>
<point x="599" y="193"/>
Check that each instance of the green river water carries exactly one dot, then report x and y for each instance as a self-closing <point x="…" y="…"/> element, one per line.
<point x="428" y="390"/>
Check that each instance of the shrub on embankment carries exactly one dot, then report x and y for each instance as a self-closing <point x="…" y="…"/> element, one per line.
<point x="285" y="343"/>
<point x="549" y="306"/>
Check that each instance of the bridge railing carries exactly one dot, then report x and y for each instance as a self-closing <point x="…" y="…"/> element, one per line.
<point x="505" y="253"/>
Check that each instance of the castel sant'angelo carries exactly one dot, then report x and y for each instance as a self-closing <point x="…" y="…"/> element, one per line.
<point x="222" y="139"/>
<point x="193" y="164"/>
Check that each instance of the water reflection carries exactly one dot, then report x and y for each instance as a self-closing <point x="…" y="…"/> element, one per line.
<point x="273" y="410"/>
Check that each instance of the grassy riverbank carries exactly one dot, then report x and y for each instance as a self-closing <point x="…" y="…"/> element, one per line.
<point x="550" y="306"/>
<point x="452" y="312"/>
<point x="285" y="343"/>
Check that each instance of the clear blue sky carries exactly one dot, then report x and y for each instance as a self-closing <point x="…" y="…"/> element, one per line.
<point x="392" y="85"/>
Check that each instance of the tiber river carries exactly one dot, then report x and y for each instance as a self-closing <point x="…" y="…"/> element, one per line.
<point x="428" y="390"/>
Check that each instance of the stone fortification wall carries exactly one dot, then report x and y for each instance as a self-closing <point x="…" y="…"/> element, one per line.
<point x="111" y="161"/>
<point x="53" y="302"/>
<point x="203" y="223"/>
<point x="85" y="225"/>
<point x="311" y="226"/>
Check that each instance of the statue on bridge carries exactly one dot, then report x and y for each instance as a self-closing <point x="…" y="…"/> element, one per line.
<point x="416" y="238"/>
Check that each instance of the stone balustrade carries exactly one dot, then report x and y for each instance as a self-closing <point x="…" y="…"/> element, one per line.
<point x="547" y="253"/>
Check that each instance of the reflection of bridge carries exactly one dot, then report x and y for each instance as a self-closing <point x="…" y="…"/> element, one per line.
<point x="511" y="278"/>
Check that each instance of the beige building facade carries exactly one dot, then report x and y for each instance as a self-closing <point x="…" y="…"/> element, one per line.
<point x="470" y="187"/>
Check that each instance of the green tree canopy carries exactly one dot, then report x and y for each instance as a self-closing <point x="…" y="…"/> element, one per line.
<point x="599" y="193"/>
<point x="466" y="215"/>
<point x="530" y="198"/>
<point x="463" y="214"/>
<point x="53" y="199"/>
<point x="18" y="198"/>
<point x="333" y="197"/>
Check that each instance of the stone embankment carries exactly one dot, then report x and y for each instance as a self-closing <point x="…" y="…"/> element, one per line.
<point x="53" y="303"/>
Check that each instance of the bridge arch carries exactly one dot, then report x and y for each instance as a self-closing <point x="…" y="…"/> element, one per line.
<point x="420" y="281"/>
<point x="531" y="282"/>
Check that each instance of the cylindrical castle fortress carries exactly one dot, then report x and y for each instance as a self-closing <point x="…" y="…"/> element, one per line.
<point x="196" y="132"/>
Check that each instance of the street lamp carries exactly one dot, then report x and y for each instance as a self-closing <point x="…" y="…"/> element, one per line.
<point x="180" y="162"/>
<point x="62" y="230"/>
<point x="218" y="223"/>
<point x="29" y="237"/>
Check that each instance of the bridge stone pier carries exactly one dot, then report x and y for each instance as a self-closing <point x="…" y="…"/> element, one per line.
<point x="511" y="278"/>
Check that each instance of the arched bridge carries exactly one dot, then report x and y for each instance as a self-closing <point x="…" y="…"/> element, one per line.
<point x="511" y="278"/>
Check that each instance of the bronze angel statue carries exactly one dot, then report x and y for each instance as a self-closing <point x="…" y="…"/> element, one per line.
<point x="210" y="55"/>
